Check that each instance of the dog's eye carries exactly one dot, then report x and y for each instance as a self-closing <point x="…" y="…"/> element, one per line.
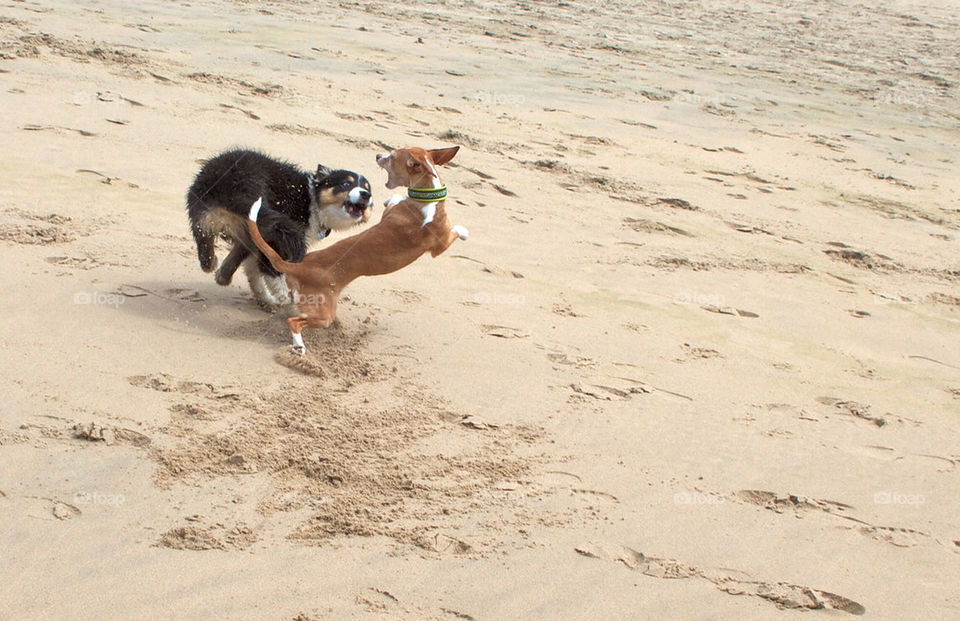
<point x="345" y="184"/>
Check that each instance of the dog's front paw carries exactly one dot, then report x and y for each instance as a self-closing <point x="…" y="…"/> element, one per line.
<point x="297" y="346"/>
<point x="461" y="231"/>
<point x="222" y="278"/>
<point x="210" y="263"/>
<point x="393" y="200"/>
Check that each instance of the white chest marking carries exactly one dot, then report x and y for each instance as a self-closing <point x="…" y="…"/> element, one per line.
<point x="429" y="211"/>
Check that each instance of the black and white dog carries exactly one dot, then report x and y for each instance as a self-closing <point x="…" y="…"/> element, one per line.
<point x="298" y="208"/>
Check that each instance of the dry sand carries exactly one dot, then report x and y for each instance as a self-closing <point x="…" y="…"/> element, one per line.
<point x="698" y="359"/>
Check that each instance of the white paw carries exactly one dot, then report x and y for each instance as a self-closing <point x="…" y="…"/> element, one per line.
<point x="393" y="200"/>
<point x="461" y="231"/>
<point x="297" y="346"/>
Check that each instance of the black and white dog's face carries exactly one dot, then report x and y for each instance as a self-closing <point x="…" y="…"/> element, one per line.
<point x="344" y="198"/>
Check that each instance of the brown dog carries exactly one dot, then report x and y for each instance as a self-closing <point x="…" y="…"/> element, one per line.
<point x="408" y="228"/>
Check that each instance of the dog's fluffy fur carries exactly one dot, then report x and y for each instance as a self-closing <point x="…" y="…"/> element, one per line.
<point x="297" y="208"/>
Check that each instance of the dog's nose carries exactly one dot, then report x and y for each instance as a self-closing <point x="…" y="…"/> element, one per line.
<point x="364" y="194"/>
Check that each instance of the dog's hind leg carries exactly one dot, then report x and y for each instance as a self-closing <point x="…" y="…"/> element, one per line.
<point x="277" y="285"/>
<point x="205" y="246"/>
<point x="237" y="255"/>
<point x="251" y="266"/>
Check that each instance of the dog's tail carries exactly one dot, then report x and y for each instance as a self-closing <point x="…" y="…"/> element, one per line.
<point x="275" y="259"/>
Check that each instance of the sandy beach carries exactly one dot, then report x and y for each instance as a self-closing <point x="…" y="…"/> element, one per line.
<point x="699" y="358"/>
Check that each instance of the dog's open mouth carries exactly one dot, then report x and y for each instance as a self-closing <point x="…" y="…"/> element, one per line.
<point x="354" y="210"/>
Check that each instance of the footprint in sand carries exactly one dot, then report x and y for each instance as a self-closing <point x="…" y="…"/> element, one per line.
<point x="406" y="295"/>
<point x="609" y="384"/>
<point x="734" y="582"/>
<point x="82" y="263"/>
<point x="565" y="310"/>
<point x="248" y="113"/>
<point x="567" y="483"/>
<point x="95" y="432"/>
<point x="888" y="454"/>
<point x="572" y="360"/>
<point x="641" y="225"/>
<point x="44" y="508"/>
<point x="792" y="503"/>
<point x="504" y="332"/>
<point x="380" y="601"/>
<point x="175" y="294"/>
<point x="898" y="536"/>
<point x="474" y="422"/>
<point x="57" y="128"/>
<point x="728" y="310"/>
<point x="788" y="409"/>
<point x="865" y="261"/>
<point x="593" y="496"/>
<point x="35" y="229"/>
<point x="196" y="536"/>
<point x="163" y="382"/>
<point x="895" y="536"/>
<point x="610" y="388"/>
<point x="852" y="408"/>
<point x="489" y="269"/>
<point x="697" y="353"/>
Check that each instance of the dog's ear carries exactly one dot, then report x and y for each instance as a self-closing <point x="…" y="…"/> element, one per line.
<point x="414" y="164"/>
<point x="442" y="156"/>
<point x="323" y="171"/>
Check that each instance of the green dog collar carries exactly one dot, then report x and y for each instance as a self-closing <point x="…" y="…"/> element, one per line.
<point x="427" y="195"/>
